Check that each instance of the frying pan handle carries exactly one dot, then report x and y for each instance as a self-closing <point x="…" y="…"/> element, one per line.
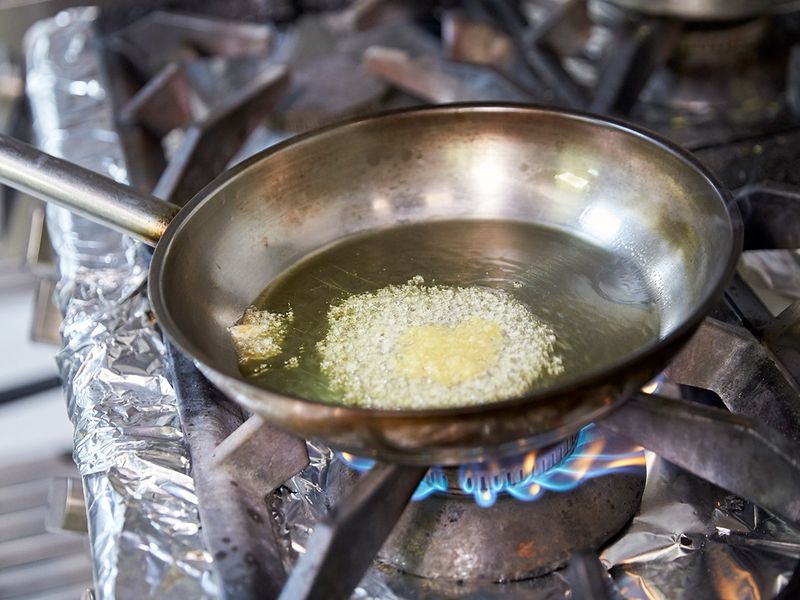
<point x="84" y="192"/>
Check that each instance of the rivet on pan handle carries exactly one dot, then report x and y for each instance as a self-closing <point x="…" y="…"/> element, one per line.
<point x="84" y="192"/>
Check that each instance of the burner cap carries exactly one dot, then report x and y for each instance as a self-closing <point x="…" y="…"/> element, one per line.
<point x="478" y="479"/>
<point x="454" y="538"/>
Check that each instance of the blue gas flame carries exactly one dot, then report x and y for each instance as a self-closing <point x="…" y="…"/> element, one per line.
<point x="596" y="454"/>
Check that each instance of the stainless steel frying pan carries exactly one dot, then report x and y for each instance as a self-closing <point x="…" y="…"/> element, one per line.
<point x="216" y="254"/>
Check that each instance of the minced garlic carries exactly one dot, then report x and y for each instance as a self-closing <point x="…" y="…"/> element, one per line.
<point x="414" y="346"/>
<point x="259" y="335"/>
<point x="449" y="355"/>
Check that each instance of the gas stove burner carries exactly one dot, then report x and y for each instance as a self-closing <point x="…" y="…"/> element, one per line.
<point x="559" y="467"/>
<point x="453" y="538"/>
<point x="511" y="519"/>
<point x="723" y="81"/>
<point x="707" y="10"/>
<point x="705" y="44"/>
<point x="486" y="480"/>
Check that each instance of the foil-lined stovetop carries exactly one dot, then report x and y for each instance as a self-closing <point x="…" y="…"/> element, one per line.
<point x="686" y="541"/>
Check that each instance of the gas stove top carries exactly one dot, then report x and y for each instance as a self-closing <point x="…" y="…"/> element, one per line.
<point x="167" y="100"/>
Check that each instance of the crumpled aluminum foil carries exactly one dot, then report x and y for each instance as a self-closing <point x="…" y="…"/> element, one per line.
<point x="774" y="275"/>
<point x="298" y="504"/>
<point x="679" y="544"/>
<point x="128" y="445"/>
<point x="682" y="544"/>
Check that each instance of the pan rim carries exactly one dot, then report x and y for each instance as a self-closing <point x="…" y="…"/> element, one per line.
<point x="589" y="379"/>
